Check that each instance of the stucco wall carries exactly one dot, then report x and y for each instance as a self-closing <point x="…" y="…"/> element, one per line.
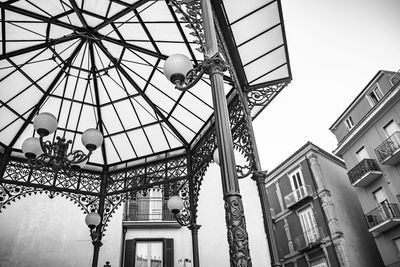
<point x="181" y="236"/>
<point x="213" y="246"/>
<point x="361" y="108"/>
<point x="359" y="245"/>
<point x="38" y="231"/>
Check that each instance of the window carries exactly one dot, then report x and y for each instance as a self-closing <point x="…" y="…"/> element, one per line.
<point x="397" y="244"/>
<point x="374" y="95"/>
<point x="309" y="226"/>
<point x="362" y="154"/>
<point x="380" y="196"/>
<point x="296" y="179"/>
<point x="349" y="123"/>
<point x="319" y="263"/>
<point x="390" y="128"/>
<point x="149" y="253"/>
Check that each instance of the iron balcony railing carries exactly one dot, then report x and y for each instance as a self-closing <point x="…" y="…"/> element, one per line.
<point x="147" y="209"/>
<point x="394" y="264"/>
<point x="384" y="212"/>
<point x="363" y="167"/>
<point x="388" y="147"/>
<point x="308" y="238"/>
<point x="299" y="194"/>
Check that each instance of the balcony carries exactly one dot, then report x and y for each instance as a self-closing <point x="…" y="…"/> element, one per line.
<point x="364" y="173"/>
<point x="299" y="197"/>
<point x="395" y="264"/>
<point x="388" y="152"/>
<point x="308" y="239"/>
<point x="148" y="212"/>
<point x="383" y="218"/>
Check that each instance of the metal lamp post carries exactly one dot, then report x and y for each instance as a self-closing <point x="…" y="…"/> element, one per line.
<point x="93" y="220"/>
<point x="176" y="69"/>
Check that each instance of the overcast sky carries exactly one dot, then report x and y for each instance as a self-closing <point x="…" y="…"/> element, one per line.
<point x="335" y="49"/>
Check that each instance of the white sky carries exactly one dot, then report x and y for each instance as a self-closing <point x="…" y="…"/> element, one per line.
<point x="335" y="49"/>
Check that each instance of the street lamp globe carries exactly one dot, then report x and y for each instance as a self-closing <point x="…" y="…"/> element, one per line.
<point x="92" y="220"/>
<point x="45" y="123"/>
<point x="31" y="147"/>
<point x="92" y="138"/>
<point x="176" y="67"/>
<point x="175" y="204"/>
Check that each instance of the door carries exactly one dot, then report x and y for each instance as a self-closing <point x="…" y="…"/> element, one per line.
<point x="309" y="225"/>
<point x="383" y="204"/>
<point x="297" y="183"/>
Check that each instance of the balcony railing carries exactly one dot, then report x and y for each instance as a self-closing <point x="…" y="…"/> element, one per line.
<point x="389" y="151"/>
<point x="297" y="197"/>
<point x="308" y="239"/>
<point x="364" y="173"/>
<point x="384" y="217"/>
<point x="147" y="209"/>
<point x="394" y="264"/>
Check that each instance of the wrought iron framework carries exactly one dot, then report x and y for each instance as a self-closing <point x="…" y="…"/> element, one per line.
<point x="90" y="51"/>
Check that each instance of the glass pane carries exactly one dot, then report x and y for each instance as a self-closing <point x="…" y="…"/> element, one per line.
<point x="156" y="254"/>
<point x="149" y="254"/>
<point x="141" y="257"/>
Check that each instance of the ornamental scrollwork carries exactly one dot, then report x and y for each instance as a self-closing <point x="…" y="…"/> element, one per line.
<point x="237" y="234"/>
<point x="242" y="139"/>
<point x="184" y="217"/>
<point x="10" y="193"/>
<point x="191" y="15"/>
<point x="148" y="176"/>
<point x="263" y="96"/>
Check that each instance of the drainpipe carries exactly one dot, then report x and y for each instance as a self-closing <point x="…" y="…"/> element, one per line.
<point x="121" y="259"/>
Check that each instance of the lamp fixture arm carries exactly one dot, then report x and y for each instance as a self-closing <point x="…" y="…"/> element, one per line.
<point x="192" y="78"/>
<point x="214" y="63"/>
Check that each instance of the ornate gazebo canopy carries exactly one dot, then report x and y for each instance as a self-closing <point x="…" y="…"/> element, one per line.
<point x="99" y="64"/>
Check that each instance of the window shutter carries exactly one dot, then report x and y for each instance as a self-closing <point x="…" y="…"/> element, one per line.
<point x="129" y="260"/>
<point x="168" y="252"/>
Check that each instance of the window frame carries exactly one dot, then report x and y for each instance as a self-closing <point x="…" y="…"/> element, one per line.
<point x="318" y="263"/>
<point x="349" y="123"/>
<point x="397" y="245"/>
<point x="312" y="221"/>
<point x="294" y="172"/>
<point x="384" y="127"/>
<point x="129" y="259"/>
<point x="358" y="155"/>
<point x="377" y="92"/>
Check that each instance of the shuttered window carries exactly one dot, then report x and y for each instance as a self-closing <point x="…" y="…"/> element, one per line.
<point x="149" y="252"/>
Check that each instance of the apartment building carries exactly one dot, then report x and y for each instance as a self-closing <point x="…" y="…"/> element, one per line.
<point x="368" y="136"/>
<point x="317" y="217"/>
<point x="151" y="235"/>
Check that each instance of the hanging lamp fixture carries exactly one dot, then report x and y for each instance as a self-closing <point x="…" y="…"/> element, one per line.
<point x="56" y="155"/>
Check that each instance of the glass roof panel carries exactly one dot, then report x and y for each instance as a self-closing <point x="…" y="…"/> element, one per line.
<point x="270" y="62"/>
<point x="140" y="142"/>
<point x="41" y="7"/>
<point x="244" y="33"/>
<point x="257" y="29"/>
<point x="99" y="63"/>
<point x="236" y="11"/>
<point x="154" y="133"/>
<point x="27" y="133"/>
<point x="7" y="134"/>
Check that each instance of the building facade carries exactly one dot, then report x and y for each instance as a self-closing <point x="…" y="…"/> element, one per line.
<point x="318" y="220"/>
<point x="368" y="136"/>
<point x="151" y="235"/>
